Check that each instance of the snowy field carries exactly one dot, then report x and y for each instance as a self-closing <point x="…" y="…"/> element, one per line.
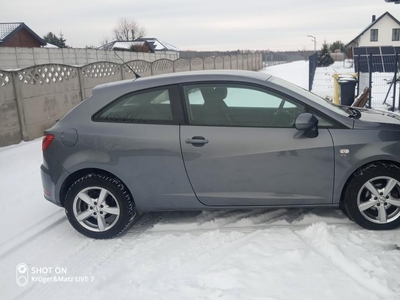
<point x="260" y="254"/>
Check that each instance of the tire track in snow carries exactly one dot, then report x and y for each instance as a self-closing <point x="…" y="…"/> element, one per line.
<point x="192" y="260"/>
<point x="21" y="240"/>
<point x="340" y="262"/>
<point x="91" y="256"/>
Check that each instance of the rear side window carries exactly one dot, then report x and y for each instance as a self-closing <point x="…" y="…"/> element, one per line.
<point x="150" y="106"/>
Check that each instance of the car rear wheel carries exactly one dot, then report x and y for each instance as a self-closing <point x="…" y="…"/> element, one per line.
<point x="372" y="197"/>
<point x="99" y="206"/>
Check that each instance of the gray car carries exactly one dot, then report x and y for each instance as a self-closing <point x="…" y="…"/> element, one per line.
<point x="218" y="140"/>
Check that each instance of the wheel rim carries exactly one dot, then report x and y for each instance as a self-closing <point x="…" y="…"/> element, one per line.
<point x="379" y="200"/>
<point x="96" y="209"/>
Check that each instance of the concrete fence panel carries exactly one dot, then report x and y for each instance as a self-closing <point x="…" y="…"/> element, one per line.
<point x="162" y="66"/>
<point x="68" y="56"/>
<point x="182" y="65"/>
<point x="46" y="93"/>
<point x="34" y="98"/>
<point x="81" y="57"/>
<point x="141" y="67"/>
<point x="240" y="62"/>
<point x="245" y="62"/>
<point x="227" y="62"/>
<point x="8" y="58"/>
<point x="234" y="65"/>
<point x="24" y="57"/>
<point x="102" y="56"/>
<point x="196" y="64"/>
<point x="41" y="56"/>
<point x="16" y="58"/>
<point x="10" y="131"/>
<point x="99" y="73"/>
<point x="55" y="56"/>
<point x="248" y="59"/>
<point x="209" y="63"/>
<point x="219" y="63"/>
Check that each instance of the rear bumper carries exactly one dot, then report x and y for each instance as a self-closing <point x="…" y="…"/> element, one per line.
<point x="48" y="186"/>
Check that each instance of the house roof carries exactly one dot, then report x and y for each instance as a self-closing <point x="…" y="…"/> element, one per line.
<point x="153" y="43"/>
<point x="123" y="45"/>
<point x="157" y="45"/>
<point x="7" y="30"/>
<point x="372" y="24"/>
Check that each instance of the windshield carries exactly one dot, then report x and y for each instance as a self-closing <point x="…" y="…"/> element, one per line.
<point x="343" y="110"/>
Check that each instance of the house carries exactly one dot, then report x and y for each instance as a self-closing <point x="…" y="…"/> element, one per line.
<point x="160" y="46"/>
<point x="152" y="45"/>
<point x="382" y="31"/>
<point x="140" y="46"/>
<point x="19" y="35"/>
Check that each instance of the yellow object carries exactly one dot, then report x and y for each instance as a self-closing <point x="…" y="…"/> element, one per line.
<point x="336" y="92"/>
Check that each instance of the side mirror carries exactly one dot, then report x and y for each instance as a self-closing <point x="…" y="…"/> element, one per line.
<point x="308" y="123"/>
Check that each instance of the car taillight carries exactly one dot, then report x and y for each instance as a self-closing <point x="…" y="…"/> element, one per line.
<point x="48" y="138"/>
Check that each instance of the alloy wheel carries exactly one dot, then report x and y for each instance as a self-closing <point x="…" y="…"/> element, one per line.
<point x="96" y="209"/>
<point x="379" y="200"/>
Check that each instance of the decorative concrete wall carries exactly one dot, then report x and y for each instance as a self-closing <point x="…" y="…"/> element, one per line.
<point x="34" y="98"/>
<point x="10" y="131"/>
<point x="16" y="58"/>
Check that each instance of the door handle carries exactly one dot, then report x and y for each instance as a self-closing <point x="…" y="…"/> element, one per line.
<point x="197" y="141"/>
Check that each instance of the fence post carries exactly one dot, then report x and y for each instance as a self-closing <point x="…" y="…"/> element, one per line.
<point x="370" y="79"/>
<point x="81" y="85"/>
<point x="123" y="72"/>
<point x="312" y="65"/>
<point x="358" y="74"/>
<point x="34" y="57"/>
<point x="20" y="105"/>
<point x="396" y="69"/>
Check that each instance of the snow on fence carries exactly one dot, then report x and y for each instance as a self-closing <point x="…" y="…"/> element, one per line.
<point x="34" y="98"/>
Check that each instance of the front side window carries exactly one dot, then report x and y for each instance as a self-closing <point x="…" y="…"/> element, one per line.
<point x="396" y="34"/>
<point x="140" y="107"/>
<point x="374" y="35"/>
<point x="238" y="105"/>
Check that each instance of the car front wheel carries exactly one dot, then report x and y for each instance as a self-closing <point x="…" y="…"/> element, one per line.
<point x="99" y="206"/>
<point x="372" y="197"/>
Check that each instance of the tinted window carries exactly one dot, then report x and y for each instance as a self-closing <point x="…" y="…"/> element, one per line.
<point x="238" y="105"/>
<point x="139" y="107"/>
<point x="302" y="92"/>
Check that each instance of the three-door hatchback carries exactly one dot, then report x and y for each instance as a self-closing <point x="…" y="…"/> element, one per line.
<point x="218" y="140"/>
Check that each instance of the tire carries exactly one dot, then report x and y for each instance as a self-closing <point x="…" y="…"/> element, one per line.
<point x="102" y="204"/>
<point x="372" y="196"/>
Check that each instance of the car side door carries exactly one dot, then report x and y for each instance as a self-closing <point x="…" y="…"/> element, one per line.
<point x="240" y="148"/>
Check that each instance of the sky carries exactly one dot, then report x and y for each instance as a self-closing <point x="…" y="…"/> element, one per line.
<point x="203" y="25"/>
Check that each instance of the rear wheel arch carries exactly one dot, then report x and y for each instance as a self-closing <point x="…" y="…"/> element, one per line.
<point x="73" y="177"/>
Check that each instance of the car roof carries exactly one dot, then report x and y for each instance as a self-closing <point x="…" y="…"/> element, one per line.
<point x="185" y="77"/>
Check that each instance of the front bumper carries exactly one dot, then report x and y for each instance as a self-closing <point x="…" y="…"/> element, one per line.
<point x="48" y="186"/>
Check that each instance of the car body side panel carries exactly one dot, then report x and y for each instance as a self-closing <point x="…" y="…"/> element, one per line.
<point x="259" y="166"/>
<point x="147" y="158"/>
<point x="363" y="147"/>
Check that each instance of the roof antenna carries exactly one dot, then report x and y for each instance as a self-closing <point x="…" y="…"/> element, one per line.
<point x="136" y="74"/>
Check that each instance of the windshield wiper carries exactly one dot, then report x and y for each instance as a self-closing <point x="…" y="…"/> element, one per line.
<point x="353" y="113"/>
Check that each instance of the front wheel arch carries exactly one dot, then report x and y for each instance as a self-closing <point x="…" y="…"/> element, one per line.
<point x="358" y="170"/>
<point x="370" y="216"/>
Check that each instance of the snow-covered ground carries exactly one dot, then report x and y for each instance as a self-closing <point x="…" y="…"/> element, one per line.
<point x="259" y="254"/>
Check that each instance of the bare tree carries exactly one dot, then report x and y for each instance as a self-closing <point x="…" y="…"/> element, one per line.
<point x="104" y="40"/>
<point x="128" y="30"/>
